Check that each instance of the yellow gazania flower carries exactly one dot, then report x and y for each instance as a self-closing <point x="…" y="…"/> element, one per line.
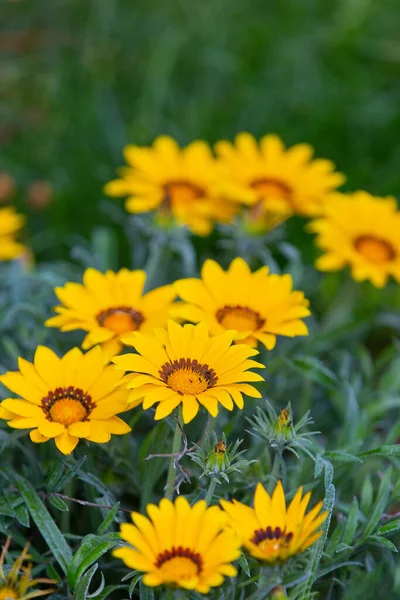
<point x="283" y="180"/>
<point x="10" y="224"/>
<point x="259" y="305"/>
<point x="109" y="306"/>
<point x="15" y="585"/>
<point x="66" y="398"/>
<point x="184" y="365"/>
<point x="363" y="232"/>
<point x="173" y="180"/>
<point x="271" y="531"/>
<point x="180" y="545"/>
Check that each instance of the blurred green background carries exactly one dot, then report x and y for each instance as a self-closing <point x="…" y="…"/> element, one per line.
<point x="80" y="79"/>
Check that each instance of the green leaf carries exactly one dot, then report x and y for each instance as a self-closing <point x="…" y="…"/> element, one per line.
<point x="389" y="527"/>
<point x="90" y="550"/>
<point x="367" y="494"/>
<point x="106" y="524"/>
<point x="304" y="591"/>
<point x="5" y="508"/>
<point x="146" y="593"/>
<point x="58" y="503"/>
<point x="313" y="369"/>
<point x="44" y="522"/>
<point x="380" y="503"/>
<point x="19" y="509"/>
<point x="106" y="592"/>
<point x="136" y="579"/>
<point x="244" y="565"/>
<point x="342" y="457"/>
<point x="69" y="474"/>
<point x="381" y="541"/>
<point x="386" y="451"/>
<point x="351" y="525"/>
<point x="82" y="589"/>
<point x="334" y="567"/>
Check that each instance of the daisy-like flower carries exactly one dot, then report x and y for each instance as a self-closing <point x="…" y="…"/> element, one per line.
<point x="271" y="531"/>
<point x="185" y="365"/>
<point x="174" y="181"/>
<point x="110" y="305"/>
<point x="66" y="398"/>
<point x="10" y="224"/>
<point x="16" y="584"/>
<point x="363" y="232"/>
<point x="180" y="545"/>
<point x="284" y="181"/>
<point x="259" y="305"/>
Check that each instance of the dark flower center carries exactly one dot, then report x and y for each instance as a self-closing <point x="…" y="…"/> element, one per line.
<point x="188" y="376"/>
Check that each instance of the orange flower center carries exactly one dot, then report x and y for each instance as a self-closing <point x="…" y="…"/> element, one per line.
<point x="120" y="319"/>
<point x="67" y="405"/>
<point x="374" y="249"/>
<point x="182" y="192"/>
<point x="240" y="318"/>
<point x="7" y="593"/>
<point x="187" y="376"/>
<point x="179" y="564"/>
<point x="268" y="187"/>
<point x="270" y="541"/>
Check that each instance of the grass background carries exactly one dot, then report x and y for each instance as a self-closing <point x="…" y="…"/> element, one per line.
<point x="80" y="79"/>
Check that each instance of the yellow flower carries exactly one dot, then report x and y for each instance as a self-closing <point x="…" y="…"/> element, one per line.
<point x="283" y="180"/>
<point x="259" y="306"/>
<point x="174" y="181"/>
<point x="271" y="531"/>
<point x="184" y="365"/>
<point x="109" y="306"/>
<point x="10" y="223"/>
<point x="15" y="585"/>
<point x="180" y="545"/>
<point x="66" y="398"/>
<point x="363" y="232"/>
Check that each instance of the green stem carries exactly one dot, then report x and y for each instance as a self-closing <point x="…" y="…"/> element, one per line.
<point x="176" y="445"/>
<point x="211" y="490"/>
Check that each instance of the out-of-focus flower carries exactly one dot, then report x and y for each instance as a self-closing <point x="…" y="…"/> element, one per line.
<point x="258" y="306"/>
<point x="66" y="398"/>
<point x="180" y="545"/>
<point x="281" y="180"/>
<point x="10" y="224"/>
<point x="363" y="232"/>
<point x="271" y="531"/>
<point x="177" y="182"/>
<point x="7" y="186"/>
<point x="39" y="194"/>
<point x="185" y="365"/>
<point x="16" y="583"/>
<point x="110" y="305"/>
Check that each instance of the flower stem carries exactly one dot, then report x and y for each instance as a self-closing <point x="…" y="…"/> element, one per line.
<point x="211" y="490"/>
<point x="176" y="445"/>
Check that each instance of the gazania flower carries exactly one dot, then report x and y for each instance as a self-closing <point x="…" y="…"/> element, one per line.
<point x="173" y="181"/>
<point x="109" y="306"/>
<point x="259" y="306"/>
<point x="16" y="584"/>
<point x="363" y="232"/>
<point x="282" y="180"/>
<point x="10" y="224"/>
<point x="66" y="398"/>
<point x="271" y="531"/>
<point x="184" y="365"/>
<point x="180" y="545"/>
